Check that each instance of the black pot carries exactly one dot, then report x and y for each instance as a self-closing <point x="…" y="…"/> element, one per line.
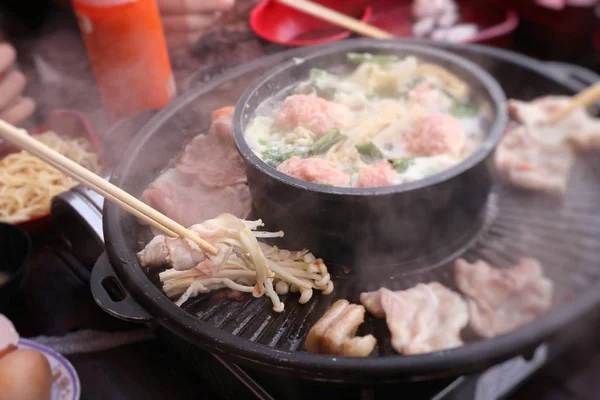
<point x="412" y="224"/>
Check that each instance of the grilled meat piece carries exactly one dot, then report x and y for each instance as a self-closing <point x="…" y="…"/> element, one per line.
<point x="502" y="300"/>
<point x="422" y="319"/>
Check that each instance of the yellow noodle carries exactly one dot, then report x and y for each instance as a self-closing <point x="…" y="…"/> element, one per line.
<point x="27" y="184"/>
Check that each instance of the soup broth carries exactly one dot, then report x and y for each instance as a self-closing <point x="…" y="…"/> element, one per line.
<point x="391" y="120"/>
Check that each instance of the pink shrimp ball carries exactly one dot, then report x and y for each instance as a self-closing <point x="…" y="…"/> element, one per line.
<point x="381" y="174"/>
<point x="435" y="135"/>
<point x="313" y="113"/>
<point x="314" y="170"/>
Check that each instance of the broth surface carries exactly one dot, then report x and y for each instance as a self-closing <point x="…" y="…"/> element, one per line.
<point x="388" y="122"/>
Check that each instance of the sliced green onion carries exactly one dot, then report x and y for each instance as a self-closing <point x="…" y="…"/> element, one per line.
<point x="327" y="141"/>
<point x="369" y="153"/>
<point x="401" y="164"/>
<point x="464" y="109"/>
<point x="274" y="156"/>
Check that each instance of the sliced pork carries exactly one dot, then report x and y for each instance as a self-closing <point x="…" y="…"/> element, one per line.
<point x="208" y="180"/>
<point x="525" y="161"/>
<point x="179" y="253"/>
<point x="502" y="300"/>
<point x="423" y="319"/>
<point x="213" y="159"/>
<point x="189" y="202"/>
<point x="578" y="128"/>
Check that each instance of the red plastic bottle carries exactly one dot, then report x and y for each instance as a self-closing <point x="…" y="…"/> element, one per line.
<point x="128" y="52"/>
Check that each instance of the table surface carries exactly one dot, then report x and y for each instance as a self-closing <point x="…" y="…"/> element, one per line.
<point x="56" y="299"/>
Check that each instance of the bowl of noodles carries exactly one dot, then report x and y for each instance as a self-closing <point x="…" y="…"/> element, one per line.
<point x="27" y="184"/>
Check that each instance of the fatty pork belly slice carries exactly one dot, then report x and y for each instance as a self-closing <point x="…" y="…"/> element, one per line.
<point x="422" y="319"/>
<point x="208" y="180"/>
<point x="179" y="253"/>
<point x="188" y="201"/>
<point x="502" y="300"/>
<point x="579" y="129"/>
<point x="524" y="161"/>
<point x="213" y="159"/>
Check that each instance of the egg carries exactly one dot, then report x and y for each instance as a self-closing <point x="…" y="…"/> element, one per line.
<point x="25" y="375"/>
<point x="9" y="338"/>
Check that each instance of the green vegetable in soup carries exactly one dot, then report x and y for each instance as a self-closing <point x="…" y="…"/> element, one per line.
<point x="413" y="83"/>
<point x="321" y="83"/>
<point x="327" y="141"/>
<point x="464" y="109"/>
<point x="358" y="58"/>
<point x="275" y="156"/>
<point x="401" y="164"/>
<point x="369" y="153"/>
<point x="262" y="141"/>
<point x="316" y="73"/>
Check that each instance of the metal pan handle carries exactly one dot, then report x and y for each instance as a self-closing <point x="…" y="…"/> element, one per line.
<point x="111" y="296"/>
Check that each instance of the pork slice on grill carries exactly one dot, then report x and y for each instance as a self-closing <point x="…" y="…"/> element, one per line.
<point x="502" y="300"/>
<point x="579" y="129"/>
<point x="523" y="160"/>
<point x="208" y="180"/>
<point x="213" y="159"/>
<point x="422" y="319"/>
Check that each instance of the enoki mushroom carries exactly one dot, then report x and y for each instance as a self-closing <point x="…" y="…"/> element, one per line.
<point x="242" y="263"/>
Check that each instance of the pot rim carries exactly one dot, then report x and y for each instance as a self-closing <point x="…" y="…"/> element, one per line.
<point x="495" y="131"/>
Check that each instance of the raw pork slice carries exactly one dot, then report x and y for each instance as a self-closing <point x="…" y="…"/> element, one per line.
<point x="208" y="180"/>
<point x="502" y="300"/>
<point x="425" y="318"/>
<point x="213" y="159"/>
<point x="527" y="162"/>
<point x="577" y="128"/>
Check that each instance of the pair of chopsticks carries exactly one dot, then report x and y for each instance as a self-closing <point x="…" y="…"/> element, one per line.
<point x="21" y="139"/>
<point x="336" y="18"/>
<point x="584" y="99"/>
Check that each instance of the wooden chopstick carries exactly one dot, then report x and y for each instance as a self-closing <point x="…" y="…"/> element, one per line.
<point x="127" y="207"/>
<point x="329" y="15"/>
<point x="21" y="139"/>
<point x="584" y="99"/>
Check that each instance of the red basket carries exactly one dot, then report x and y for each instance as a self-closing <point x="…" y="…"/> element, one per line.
<point x="67" y="123"/>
